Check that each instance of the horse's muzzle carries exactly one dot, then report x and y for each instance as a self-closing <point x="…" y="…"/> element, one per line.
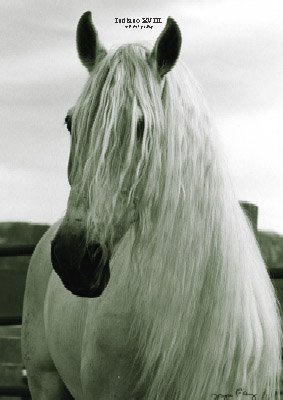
<point x="83" y="270"/>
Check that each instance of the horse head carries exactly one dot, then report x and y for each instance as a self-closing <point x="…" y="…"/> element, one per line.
<point x="113" y="166"/>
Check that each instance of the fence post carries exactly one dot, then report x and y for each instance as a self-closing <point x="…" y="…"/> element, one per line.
<point x="251" y="211"/>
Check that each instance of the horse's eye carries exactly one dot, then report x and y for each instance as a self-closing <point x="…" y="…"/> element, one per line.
<point x="68" y="122"/>
<point x="140" y="128"/>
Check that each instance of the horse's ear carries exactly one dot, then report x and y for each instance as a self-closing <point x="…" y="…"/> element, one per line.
<point x="167" y="47"/>
<point x="88" y="46"/>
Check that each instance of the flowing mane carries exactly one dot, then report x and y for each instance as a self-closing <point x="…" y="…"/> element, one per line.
<point x="205" y="315"/>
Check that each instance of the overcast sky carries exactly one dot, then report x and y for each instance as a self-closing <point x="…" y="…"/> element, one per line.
<point x="233" y="47"/>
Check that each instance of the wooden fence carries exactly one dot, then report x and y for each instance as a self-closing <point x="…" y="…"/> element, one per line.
<point x="22" y="391"/>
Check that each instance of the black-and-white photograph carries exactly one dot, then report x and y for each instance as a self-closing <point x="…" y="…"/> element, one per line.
<point x="141" y="192"/>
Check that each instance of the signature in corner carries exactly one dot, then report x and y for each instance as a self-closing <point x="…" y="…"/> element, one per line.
<point x="238" y="393"/>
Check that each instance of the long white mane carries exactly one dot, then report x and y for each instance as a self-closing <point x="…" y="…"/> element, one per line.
<point x="205" y="314"/>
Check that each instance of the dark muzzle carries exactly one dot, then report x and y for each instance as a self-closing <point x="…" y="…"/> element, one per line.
<point x="84" y="270"/>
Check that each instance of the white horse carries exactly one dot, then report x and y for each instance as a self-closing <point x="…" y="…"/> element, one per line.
<point x="158" y="289"/>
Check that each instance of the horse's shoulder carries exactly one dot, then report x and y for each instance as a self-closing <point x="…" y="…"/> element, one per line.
<point x="42" y="249"/>
<point x="40" y="268"/>
<point x="49" y="234"/>
<point x="112" y="331"/>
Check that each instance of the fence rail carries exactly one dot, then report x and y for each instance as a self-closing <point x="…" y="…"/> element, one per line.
<point x="14" y="250"/>
<point x="10" y="320"/>
<point x="15" y="391"/>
